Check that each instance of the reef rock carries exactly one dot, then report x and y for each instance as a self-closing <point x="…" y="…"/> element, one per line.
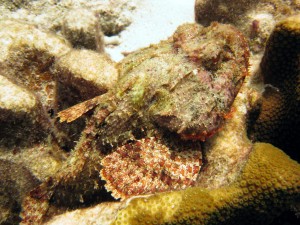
<point x="34" y="61"/>
<point x="34" y="86"/>
<point x="255" y="18"/>
<point x="81" y="22"/>
<point x="15" y="182"/>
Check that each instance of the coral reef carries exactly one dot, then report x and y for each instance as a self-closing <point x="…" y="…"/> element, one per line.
<point x="35" y="84"/>
<point x="33" y="63"/>
<point x="168" y="117"/>
<point x="27" y="61"/>
<point x="83" y="74"/>
<point x="15" y="182"/>
<point x="226" y="153"/>
<point x="261" y="192"/>
<point x="28" y="97"/>
<point x="268" y="184"/>
<point x="81" y="21"/>
<point x="100" y="214"/>
<point x="256" y="19"/>
<point x="277" y="119"/>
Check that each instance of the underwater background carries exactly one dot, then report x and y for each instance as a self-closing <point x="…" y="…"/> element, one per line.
<point x="149" y="112"/>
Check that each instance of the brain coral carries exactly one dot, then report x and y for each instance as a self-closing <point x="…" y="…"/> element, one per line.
<point x="278" y="121"/>
<point x="268" y="184"/>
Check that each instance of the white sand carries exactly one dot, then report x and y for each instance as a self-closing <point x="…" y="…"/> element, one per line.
<point x="153" y="20"/>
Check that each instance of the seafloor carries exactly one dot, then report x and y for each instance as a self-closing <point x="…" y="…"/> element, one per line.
<point x="150" y="112"/>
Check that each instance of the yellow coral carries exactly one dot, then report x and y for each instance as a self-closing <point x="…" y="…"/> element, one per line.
<point x="268" y="184"/>
<point x="278" y="121"/>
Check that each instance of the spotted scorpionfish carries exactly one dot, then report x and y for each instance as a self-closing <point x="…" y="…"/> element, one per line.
<point x="169" y="98"/>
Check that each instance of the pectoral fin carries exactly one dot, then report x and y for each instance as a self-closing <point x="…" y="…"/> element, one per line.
<point x="76" y="111"/>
